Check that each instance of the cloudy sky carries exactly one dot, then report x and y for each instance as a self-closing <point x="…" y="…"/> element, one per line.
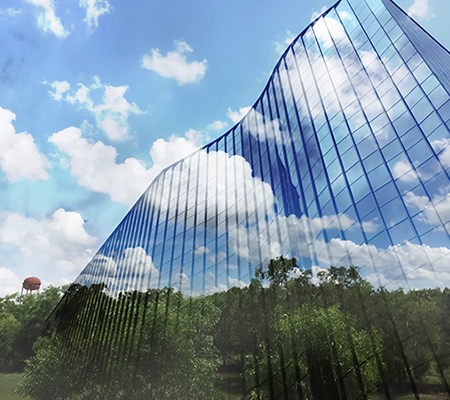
<point x="97" y="97"/>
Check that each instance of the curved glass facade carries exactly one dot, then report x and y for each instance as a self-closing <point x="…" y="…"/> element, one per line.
<point x="343" y="160"/>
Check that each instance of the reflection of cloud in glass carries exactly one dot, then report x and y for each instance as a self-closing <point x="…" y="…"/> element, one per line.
<point x="134" y="271"/>
<point x="341" y="161"/>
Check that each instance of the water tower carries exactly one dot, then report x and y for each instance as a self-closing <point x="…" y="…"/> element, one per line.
<point x="30" y="284"/>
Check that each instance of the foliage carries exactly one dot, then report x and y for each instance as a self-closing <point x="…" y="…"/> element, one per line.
<point x="288" y="334"/>
<point x="22" y="321"/>
<point x="317" y="352"/>
<point x="165" y="349"/>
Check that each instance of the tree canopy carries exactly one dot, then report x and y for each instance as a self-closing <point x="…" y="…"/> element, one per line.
<point x="286" y="335"/>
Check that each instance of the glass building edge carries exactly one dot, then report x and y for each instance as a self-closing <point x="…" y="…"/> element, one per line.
<point x="400" y="15"/>
<point x="225" y="240"/>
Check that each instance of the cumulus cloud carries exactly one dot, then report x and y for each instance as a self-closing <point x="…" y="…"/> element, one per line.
<point x="420" y="9"/>
<point x="321" y="30"/>
<point x="280" y="46"/>
<point x="240" y="182"/>
<point x="202" y="250"/>
<point x="250" y="237"/>
<point x="181" y="282"/>
<point x="261" y="126"/>
<point x="165" y="153"/>
<point x="174" y="64"/>
<point x="42" y="247"/>
<point x="427" y="266"/>
<point x="95" y="167"/>
<point x="47" y="19"/>
<point x="317" y="14"/>
<point x="236" y="116"/>
<point x="340" y="221"/>
<point x="59" y="87"/>
<point x="10" y="282"/>
<point x="329" y="30"/>
<point x="19" y="156"/>
<point x="236" y="282"/>
<point x="132" y="270"/>
<point x="267" y="128"/>
<point x="94" y="9"/>
<point x="217" y="126"/>
<point x="111" y="113"/>
<point x="246" y="229"/>
<point x="435" y="212"/>
<point x="442" y="147"/>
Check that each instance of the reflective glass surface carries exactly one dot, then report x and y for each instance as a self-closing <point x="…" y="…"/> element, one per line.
<point x="344" y="160"/>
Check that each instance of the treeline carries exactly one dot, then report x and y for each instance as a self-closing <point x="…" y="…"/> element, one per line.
<point x="287" y="335"/>
<point x="336" y="338"/>
<point x="22" y="322"/>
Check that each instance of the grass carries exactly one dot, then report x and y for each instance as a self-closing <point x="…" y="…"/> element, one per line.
<point x="230" y="385"/>
<point x="8" y="384"/>
<point x="441" y="396"/>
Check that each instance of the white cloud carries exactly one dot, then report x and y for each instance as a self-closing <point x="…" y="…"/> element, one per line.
<point x="344" y="14"/>
<point x="94" y="9"/>
<point x="165" y="153"/>
<point x="19" y="156"/>
<point x="327" y="30"/>
<point x="47" y="19"/>
<point x="281" y="46"/>
<point x="59" y="88"/>
<point x="181" y="282"/>
<point x="422" y="264"/>
<point x="174" y="64"/>
<point x="315" y="271"/>
<point x="265" y="128"/>
<point x="236" y="116"/>
<point x="114" y="129"/>
<point x="11" y="12"/>
<point x="420" y="9"/>
<point x="111" y="113"/>
<point x="417" y="261"/>
<point x="444" y="156"/>
<point x="94" y="164"/>
<point x="436" y="211"/>
<point x="132" y="270"/>
<point x="246" y="225"/>
<point x="217" y="126"/>
<point x="341" y="221"/>
<point x="66" y="228"/>
<point x="239" y="182"/>
<point x="55" y="246"/>
<point x="236" y="282"/>
<point x="202" y="250"/>
<point x="321" y="29"/>
<point x="10" y="283"/>
<point x="316" y="14"/>
<point x="402" y="170"/>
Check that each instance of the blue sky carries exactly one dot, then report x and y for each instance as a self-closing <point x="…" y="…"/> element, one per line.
<point x="97" y="97"/>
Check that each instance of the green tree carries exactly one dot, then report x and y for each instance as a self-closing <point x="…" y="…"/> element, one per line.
<point x="153" y="345"/>
<point x="315" y="358"/>
<point x="22" y="321"/>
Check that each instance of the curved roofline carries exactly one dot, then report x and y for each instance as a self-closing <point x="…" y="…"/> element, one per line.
<point x="254" y="104"/>
<point x="272" y="74"/>
<point x="206" y="146"/>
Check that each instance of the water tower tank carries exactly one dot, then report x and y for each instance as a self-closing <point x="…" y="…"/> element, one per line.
<point x="31" y="283"/>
